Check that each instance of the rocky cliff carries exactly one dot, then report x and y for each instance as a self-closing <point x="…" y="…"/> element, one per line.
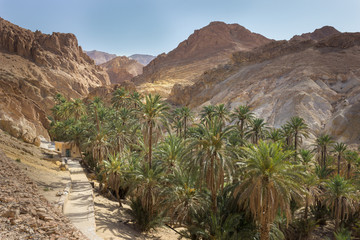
<point x="204" y="49"/>
<point x="317" y="80"/>
<point x="100" y="57"/>
<point x="121" y="69"/>
<point x="34" y="67"/>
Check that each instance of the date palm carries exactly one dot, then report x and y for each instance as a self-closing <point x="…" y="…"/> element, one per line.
<point x="271" y="183"/>
<point x="212" y="156"/>
<point x="242" y="115"/>
<point x="339" y="148"/>
<point x="171" y="152"/>
<point x="222" y="113"/>
<point x="299" y="129"/>
<point x="119" y="98"/>
<point x="185" y="116"/>
<point x="351" y="157"/>
<point x="207" y="113"/>
<point x="257" y="129"/>
<point x="275" y="135"/>
<point x="323" y="142"/>
<point x="339" y="195"/>
<point x="76" y="109"/>
<point x="154" y="112"/>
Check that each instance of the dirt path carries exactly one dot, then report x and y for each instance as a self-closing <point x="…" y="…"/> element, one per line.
<point x="31" y="160"/>
<point x="111" y="222"/>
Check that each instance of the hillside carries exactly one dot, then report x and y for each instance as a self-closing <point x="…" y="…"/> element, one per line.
<point x="100" y="57"/>
<point x="317" y="80"/>
<point x="204" y="49"/>
<point x="121" y="69"/>
<point x="34" y="67"/>
<point x="144" y="59"/>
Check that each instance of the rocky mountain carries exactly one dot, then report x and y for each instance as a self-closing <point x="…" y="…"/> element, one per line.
<point x="317" y="80"/>
<point x="34" y="67"/>
<point x="100" y="57"/>
<point x="204" y="49"/>
<point x="317" y="35"/>
<point x="122" y="69"/>
<point x="144" y="59"/>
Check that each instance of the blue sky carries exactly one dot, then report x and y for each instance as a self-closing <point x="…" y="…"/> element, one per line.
<point x="126" y="27"/>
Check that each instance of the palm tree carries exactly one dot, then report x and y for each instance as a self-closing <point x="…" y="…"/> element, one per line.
<point x="340" y="148"/>
<point x="271" y="183"/>
<point x="242" y="115"/>
<point x="76" y="109"/>
<point x="119" y="98"/>
<point x="275" y="135"/>
<point x="350" y="157"/>
<point x="185" y="115"/>
<point x="323" y="142"/>
<point x="257" y="129"/>
<point x="288" y="135"/>
<point x="222" y="113"/>
<point x="171" y="152"/>
<point x="339" y="196"/>
<point x="135" y="98"/>
<point x="207" y="113"/>
<point x="210" y="144"/>
<point x="154" y="113"/>
<point x="300" y="129"/>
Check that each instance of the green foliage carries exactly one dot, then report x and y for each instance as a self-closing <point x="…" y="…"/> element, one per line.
<point x="220" y="175"/>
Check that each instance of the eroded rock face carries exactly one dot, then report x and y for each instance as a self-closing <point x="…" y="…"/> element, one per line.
<point x="121" y="69"/>
<point x="24" y="212"/>
<point x="34" y="67"/>
<point x="317" y="80"/>
<point x="204" y="49"/>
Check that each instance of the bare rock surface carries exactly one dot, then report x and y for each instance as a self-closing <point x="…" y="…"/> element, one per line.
<point x="33" y="68"/>
<point x="26" y="214"/>
<point x="317" y="80"/>
<point x="121" y="69"/>
<point x="204" y="49"/>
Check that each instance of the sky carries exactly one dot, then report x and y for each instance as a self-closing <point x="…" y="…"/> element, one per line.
<point x="126" y="27"/>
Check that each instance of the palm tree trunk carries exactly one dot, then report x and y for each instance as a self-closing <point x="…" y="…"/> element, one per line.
<point x="348" y="170"/>
<point x="337" y="217"/>
<point x="265" y="226"/>
<point x="242" y="129"/>
<point x="338" y="164"/>
<point x="185" y="120"/>
<point x="295" y="144"/>
<point x="212" y="184"/>
<point x="306" y="208"/>
<point x="150" y="143"/>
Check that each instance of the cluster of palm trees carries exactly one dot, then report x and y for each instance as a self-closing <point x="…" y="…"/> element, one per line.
<point x="219" y="175"/>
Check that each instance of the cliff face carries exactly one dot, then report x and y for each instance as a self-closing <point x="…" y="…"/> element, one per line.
<point x="121" y="69"/>
<point x="204" y="49"/>
<point x="34" y="67"/>
<point x="317" y="80"/>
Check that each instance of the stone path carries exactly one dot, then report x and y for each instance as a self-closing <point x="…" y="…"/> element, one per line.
<point x="80" y="204"/>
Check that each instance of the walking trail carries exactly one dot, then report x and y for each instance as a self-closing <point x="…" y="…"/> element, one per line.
<point x="79" y="207"/>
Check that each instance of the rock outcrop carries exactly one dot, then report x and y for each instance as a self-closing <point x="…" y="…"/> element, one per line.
<point x="121" y="69"/>
<point x="318" y="80"/>
<point x="34" y="67"/>
<point x="24" y="212"/>
<point x="143" y="59"/>
<point x="317" y="35"/>
<point x="204" y="49"/>
<point x="100" y="57"/>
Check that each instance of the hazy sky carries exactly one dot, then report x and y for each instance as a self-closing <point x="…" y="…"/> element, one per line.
<point x="125" y="27"/>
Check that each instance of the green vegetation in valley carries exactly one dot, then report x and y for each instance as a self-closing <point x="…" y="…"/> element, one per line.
<point x="218" y="175"/>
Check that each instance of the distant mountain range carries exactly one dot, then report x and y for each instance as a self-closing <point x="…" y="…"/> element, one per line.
<point x="100" y="57"/>
<point x="314" y="75"/>
<point x="144" y="59"/>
